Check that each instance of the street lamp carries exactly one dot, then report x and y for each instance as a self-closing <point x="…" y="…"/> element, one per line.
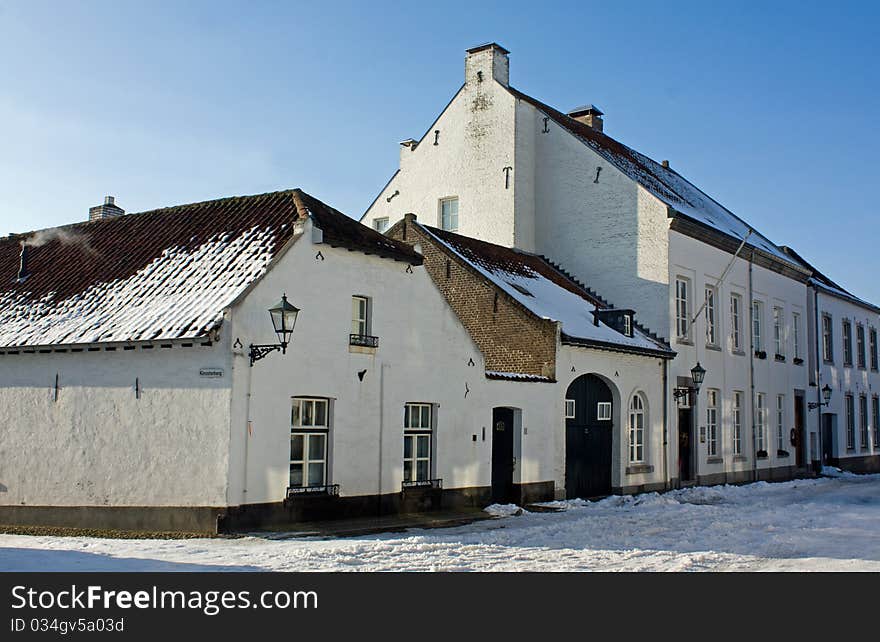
<point x="698" y="373"/>
<point x="283" y="316"/>
<point x="826" y="395"/>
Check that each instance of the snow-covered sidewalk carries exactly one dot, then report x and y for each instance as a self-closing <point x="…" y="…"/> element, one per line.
<point x="818" y="524"/>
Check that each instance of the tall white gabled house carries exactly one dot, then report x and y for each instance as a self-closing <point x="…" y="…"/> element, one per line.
<point x="501" y="166"/>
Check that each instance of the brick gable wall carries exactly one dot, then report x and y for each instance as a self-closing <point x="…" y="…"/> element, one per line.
<point x="510" y="337"/>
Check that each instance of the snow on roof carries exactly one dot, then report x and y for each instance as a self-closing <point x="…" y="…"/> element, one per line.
<point x="663" y="182"/>
<point x="160" y="275"/>
<point x="822" y="282"/>
<point x="545" y="291"/>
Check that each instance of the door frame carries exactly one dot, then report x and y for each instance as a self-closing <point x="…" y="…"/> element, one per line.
<point x="515" y="418"/>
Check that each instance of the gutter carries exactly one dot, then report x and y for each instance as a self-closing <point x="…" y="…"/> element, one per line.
<point x="616" y="347"/>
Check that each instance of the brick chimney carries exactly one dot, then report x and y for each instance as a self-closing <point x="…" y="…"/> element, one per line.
<point x="588" y="115"/>
<point x="108" y="210"/>
<point x="486" y="62"/>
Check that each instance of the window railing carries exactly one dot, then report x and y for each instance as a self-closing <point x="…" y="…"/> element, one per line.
<point x="307" y="491"/>
<point x="363" y="340"/>
<point x="423" y="483"/>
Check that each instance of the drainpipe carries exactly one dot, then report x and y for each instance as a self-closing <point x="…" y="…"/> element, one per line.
<point x="381" y="435"/>
<point x="247" y="437"/>
<point x="666" y="484"/>
<point x="818" y="375"/>
<point x="752" y="367"/>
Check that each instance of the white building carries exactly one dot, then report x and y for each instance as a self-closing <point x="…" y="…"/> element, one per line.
<point x="140" y="387"/>
<point x="501" y="166"/>
<point x="843" y="366"/>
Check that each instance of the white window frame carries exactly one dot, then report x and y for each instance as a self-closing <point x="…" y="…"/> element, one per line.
<point x="758" y="325"/>
<point x="627" y="325"/>
<point x="849" y="410"/>
<point x="827" y="338"/>
<point x="360" y="315"/>
<point x="682" y="308"/>
<point x="637" y="420"/>
<point x="796" y="333"/>
<point x="603" y="411"/>
<point x="306" y="425"/>
<point x="861" y="357"/>
<point x="780" y="422"/>
<point x="875" y="420"/>
<point x="760" y="421"/>
<point x="778" y="335"/>
<point x="569" y="409"/>
<point x="872" y="347"/>
<point x="380" y="224"/>
<point x="418" y="428"/>
<point x="712" y="395"/>
<point x="864" y="436"/>
<point x="846" y="329"/>
<point x="736" y="322"/>
<point x="737" y="422"/>
<point x="442" y="223"/>
<point x="711" y="316"/>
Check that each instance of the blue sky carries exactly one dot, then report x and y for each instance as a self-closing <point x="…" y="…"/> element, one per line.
<point x="770" y="107"/>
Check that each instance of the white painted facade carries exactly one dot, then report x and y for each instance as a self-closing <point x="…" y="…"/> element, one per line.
<point x="845" y="378"/>
<point x="575" y="207"/>
<point x="198" y="426"/>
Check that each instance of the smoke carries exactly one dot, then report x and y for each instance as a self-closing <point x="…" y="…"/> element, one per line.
<point x="65" y="237"/>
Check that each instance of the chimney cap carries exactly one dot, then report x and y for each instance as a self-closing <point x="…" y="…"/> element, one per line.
<point x="487" y="45"/>
<point x="109" y="200"/>
<point x="584" y="110"/>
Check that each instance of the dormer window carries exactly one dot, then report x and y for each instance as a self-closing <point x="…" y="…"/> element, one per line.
<point x="627" y="324"/>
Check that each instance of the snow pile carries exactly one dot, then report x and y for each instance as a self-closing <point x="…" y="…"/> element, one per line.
<point x="505" y="510"/>
<point x="832" y="471"/>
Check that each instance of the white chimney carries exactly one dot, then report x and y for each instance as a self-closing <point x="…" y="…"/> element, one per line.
<point x="486" y="62"/>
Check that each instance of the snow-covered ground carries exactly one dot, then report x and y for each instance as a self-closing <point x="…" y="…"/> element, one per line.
<point x="824" y="524"/>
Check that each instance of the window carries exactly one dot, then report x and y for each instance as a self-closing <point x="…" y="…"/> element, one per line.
<point x="603" y="411"/>
<point x="380" y="224"/>
<point x="863" y="421"/>
<point x="847" y="343"/>
<point x="712" y="422"/>
<point x="827" y="339"/>
<point x="449" y="214"/>
<point x="711" y="317"/>
<point x="628" y="325"/>
<point x="736" y="322"/>
<point x="757" y="311"/>
<point x="737" y="423"/>
<point x="860" y="345"/>
<point x="872" y="347"/>
<point x="760" y="421"/>
<point x="682" y="308"/>
<point x="569" y="409"/>
<point x="780" y="422"/>
<point x="417" y="437"/>
<point x="636" y="429"/>
<point x="778" y="338"/>
<point x="308" y="442"/>
<point x="360" y="315"/>
<point x="796" y="334"/>
<point x="875" y="415"/>
<point x="849" y="406"/>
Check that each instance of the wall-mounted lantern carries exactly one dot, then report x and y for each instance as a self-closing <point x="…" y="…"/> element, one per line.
<point x="283" y="316"/>
<point x="826" y="395"/>
<point x="698" y="373"/>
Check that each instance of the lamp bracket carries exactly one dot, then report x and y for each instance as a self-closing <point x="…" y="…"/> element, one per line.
<point x="257" y="352"/>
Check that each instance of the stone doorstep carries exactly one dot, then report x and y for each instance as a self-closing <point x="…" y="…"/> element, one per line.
<point x="371" y="525"/>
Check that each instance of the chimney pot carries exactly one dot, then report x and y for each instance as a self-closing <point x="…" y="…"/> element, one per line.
<point x="665" y="163"/>
<point x="109" y="209"/>
<point x="489" y="60"/>
<point x="589" y="115"/>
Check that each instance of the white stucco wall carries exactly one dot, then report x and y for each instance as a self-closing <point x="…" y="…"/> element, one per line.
<point x="475" y="144"/>
<point x="728" y="371"/>
<point x="423" y="356"/>
<point x="99" y="444"/>
<point x="845" y="379"/>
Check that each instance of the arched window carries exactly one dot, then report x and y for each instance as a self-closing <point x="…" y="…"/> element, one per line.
<point x="636" y="429"/>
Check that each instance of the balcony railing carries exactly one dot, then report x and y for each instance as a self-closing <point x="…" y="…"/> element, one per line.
<point x="363" y="340"/>
<point x="423" y="483"/>
<point x="331" y="490"/>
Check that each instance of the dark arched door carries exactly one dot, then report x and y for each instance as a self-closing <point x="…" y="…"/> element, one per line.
<point x="588" y="433"/>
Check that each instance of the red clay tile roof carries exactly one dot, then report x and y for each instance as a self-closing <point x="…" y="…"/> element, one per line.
<point x="548" y="292"/>
<point x="164" y="274"/>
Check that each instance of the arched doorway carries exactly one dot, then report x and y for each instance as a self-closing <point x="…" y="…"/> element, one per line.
<point x="589" y="427"/>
